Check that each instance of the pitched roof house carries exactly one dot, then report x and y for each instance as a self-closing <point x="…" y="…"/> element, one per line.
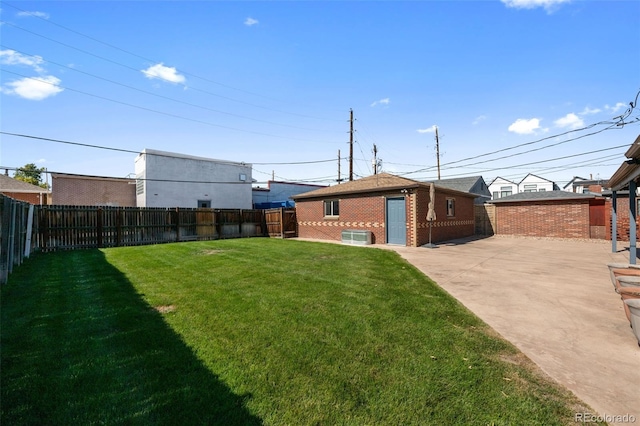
<point x="23" y="191"/>
<point x="473" y="184"/>
<point x="391" y="208"/>
<point x="501" y="187"/>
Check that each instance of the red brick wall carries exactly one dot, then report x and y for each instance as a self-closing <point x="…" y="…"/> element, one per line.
<point x="93" y="192"/>
<point x="444" y="228"/>
<point x="364" y="213"/>
<point x="565" y="219"/>
<point x="622" y="233"/>
<point x="368" y="213"/>
<point x="33" y="198"/>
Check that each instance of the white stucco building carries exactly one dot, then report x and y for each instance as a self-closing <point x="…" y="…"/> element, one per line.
<point x="168" y="179"/>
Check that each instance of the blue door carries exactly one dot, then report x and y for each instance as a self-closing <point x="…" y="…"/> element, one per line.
<point x="396" y="221"/>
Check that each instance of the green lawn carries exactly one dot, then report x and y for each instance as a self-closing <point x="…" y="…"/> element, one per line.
<point x="253" y="331"/>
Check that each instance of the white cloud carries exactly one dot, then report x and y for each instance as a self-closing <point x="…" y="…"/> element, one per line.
<point x="590" y="111"/>
<point x="616" y="108"/>
<point x="570" y="121"/>
<point x="479" y="119"/>
<point x="42" y="15"/>
<point x="161" y="72"/>
<point x="525" y="127"/>
<point x="384" y="101"/>
<point x="11" y="57"/>
<point x="431" y="129"/>
<point x="35" y="89"/>
<point x="548" y="5"/>
<point x="250" y="22"/>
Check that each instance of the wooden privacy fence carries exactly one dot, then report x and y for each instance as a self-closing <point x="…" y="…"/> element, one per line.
<point x="71" y="227"/>
<point x="16" y="234"/>
<point x="281" y="222"/>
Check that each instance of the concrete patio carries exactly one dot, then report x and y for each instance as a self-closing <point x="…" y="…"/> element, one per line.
<point x="554" y="300"/>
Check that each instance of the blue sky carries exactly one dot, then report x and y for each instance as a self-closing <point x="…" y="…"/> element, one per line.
<point x="271" y="83"/>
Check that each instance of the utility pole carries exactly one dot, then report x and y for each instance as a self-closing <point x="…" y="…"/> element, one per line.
<point x="351" y="144"/>
<point x="438" y="152"/>
<point x="339" y="177"/>
<point x="375" y="159"/>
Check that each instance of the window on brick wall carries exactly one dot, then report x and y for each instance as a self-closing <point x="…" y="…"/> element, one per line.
<point x="451" y="207"/>
<point x="332" y="208"/>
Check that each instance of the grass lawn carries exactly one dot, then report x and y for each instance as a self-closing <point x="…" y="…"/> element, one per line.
<point x="254" y="331"/>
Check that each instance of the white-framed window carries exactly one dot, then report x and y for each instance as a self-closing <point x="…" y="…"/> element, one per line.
<point x="505" y="191"/>
<point x="530" y="188"/>
<point x="332" y="208"/>
<point x="451" y="207"/>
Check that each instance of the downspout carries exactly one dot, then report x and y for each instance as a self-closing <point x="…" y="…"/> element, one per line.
<point x="614" y="221"/>
<point x="414" y="219"/>
<point x="632" y="222"/>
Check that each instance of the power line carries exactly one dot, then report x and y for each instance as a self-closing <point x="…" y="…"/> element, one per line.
<point x="152" y="154"/>
<point x="168" y="114"/>
<point x="152" y="61"/>
<point x="618" y="121"/>
<point x="551" y="159"/>
<point x="162" y="96"/>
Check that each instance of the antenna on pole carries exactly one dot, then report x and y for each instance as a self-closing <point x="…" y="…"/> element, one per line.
<point x="375" y="159"/>
<point x="438" y="152"/>
<point x="351" y="144"/>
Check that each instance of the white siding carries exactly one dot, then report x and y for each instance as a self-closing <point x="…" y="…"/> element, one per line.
<point x="176" y="180"/>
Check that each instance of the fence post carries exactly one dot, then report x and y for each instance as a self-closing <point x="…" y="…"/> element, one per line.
<point x="119" y="214"/>
<point x="5" y="215"/>
<point x="282" y="222"/>
<point x="27" y="245"/>
<point x="99" y="227"/>
<point x="177" y="224"/>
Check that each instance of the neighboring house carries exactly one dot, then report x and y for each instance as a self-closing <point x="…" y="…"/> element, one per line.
<point x="80" y="190"/>
<point x="501" y="187"/>
<point x="533" y="183"/>
<point x="278" y="194"/>
<point x="473" y="184"/>
<point x="585" y="186"/>
<point x="24" y="191"/>
<point x="393" y="209"/>
<point x="167" y="179"/>
<point x="558" y="214"/>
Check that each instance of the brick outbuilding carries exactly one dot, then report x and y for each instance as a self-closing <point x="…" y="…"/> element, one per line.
<point x="392" y="208"/>
<point x="556" y="214"/>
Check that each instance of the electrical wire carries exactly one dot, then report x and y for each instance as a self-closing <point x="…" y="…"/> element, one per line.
<point x="152" y="61"/>
<point x="168" y="114"/>
<point x="152" y="154"/>
<point x="162" y="96"/>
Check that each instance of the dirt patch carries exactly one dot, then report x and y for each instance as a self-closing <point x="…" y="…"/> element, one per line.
<point x="210" y="252"/>
<point x="164" y="309"/>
